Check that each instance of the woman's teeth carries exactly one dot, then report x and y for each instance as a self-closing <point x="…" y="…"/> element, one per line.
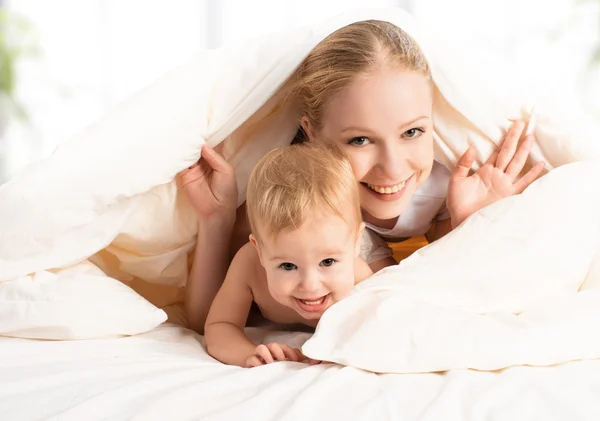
<point x="389" y="189"/>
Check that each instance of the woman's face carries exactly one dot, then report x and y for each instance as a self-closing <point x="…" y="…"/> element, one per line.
<point x="383" y="123"/>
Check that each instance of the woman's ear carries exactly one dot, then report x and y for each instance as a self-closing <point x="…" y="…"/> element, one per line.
<point x="307" y="127"/>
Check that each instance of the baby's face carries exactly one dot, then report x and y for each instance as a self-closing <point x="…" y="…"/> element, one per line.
<point x="312" y="267"/>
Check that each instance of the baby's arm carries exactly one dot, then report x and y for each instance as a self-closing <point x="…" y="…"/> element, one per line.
<point x="224" y="330"/>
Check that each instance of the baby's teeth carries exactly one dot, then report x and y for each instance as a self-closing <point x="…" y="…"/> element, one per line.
<point x="387" y="190"/>
<point x="314" y="302"/>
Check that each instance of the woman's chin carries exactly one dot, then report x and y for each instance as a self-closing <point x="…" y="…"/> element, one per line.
<point x="382" y="211"/>
<point x="383" y="207"/>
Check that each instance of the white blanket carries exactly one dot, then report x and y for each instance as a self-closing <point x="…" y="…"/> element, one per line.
<point x="107" y="196"/>
<point x="502" y="289"/>
<point x="165" y="374"/>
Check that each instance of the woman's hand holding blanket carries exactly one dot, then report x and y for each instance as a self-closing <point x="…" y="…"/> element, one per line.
<point x="496" y="179"/>
<point x="210" y="185"/>
<point x="211" y="188"/>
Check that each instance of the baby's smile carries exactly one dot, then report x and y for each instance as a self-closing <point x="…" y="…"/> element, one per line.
<point x="314" y="304"/>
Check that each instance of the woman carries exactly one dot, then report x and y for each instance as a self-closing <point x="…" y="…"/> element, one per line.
<point x="367" y="88"/>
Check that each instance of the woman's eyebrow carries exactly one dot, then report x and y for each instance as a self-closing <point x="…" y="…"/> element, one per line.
<point x="367" y="130"/>
<point x="413" y="121"/>
<point x="357" y="129"/>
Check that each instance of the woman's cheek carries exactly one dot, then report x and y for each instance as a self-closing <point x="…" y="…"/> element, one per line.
<point x="360" y="163"/>
<point x="421" y="152"/>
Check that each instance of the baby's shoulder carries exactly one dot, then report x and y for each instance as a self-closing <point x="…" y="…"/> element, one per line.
<point x="246" y="265"/>
<point x="247" y="253"/>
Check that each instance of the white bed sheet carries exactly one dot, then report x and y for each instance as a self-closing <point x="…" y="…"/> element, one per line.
<point x="166" y="375"/>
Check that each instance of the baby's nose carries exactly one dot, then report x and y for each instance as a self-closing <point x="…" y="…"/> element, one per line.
<point x="310" y="281"/>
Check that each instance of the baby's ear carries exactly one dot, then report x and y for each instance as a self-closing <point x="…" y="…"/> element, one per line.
<point x="359" y="235"/>
<point x="256" y="246"/>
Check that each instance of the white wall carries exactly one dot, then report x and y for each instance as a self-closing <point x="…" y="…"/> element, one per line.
<point x="97" y="52"/>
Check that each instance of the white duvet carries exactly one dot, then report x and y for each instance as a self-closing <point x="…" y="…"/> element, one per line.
<point x="165" y="374"/>
<point x="501" y="290"/>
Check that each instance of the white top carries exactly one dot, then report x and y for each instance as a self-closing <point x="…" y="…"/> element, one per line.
<point x="428" y="204"/>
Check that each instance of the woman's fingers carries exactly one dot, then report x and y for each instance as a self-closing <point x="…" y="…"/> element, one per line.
<point x="189" y="175"/>
<point x="463" y="166"/>
<point x="509" y="146"/>
<point x="216" y="161"/>
<point x="529" y="178"/>
<point x="492" y="159"/>
<point x="518" y="162"/>
<point x="210" y="160"/>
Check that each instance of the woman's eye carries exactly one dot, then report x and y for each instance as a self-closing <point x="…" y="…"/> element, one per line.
<point x="412" y="133"/>
<point x="288" y="266"/>
<point x="327" y="262"/>
<point x="359" y="141"/>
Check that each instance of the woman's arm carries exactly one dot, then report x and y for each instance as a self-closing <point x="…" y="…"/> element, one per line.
<point x="211" y="260"/>
<point x="440" y="229"/>
<point x="377" y="265"/>
<point x="376" y="251"/>
<point x="211" y="188"/>
<point x="361" y="270"/>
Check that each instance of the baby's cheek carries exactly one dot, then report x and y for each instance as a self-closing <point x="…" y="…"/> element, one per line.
<point x="344" y="284"/>
<point x="278" y="286"/>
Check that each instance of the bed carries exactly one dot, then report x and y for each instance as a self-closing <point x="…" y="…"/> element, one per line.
<point x="166" y="374"/>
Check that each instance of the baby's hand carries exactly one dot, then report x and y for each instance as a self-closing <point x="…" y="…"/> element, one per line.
<point x="267" y="354"/>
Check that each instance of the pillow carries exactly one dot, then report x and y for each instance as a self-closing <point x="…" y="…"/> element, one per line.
<point x="75" y="303"/>
<point x="502" y="289"/>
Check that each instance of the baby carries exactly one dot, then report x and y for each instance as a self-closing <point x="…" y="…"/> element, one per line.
<point x="303" y="255"/>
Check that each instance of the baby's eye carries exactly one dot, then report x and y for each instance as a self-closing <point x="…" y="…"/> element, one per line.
<point x="327" y="262"/>
<point x="359" y="141"/>
<point x="414" y="132"/>
<point x="288" y="266"/>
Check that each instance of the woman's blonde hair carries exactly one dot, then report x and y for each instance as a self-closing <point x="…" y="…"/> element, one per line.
<point x="293" y="183"/>
<point x="349" y="52"/>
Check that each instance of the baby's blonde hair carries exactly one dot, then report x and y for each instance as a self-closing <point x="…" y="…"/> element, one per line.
<point x="293" y="183"/>
<point x="351" y="51"/>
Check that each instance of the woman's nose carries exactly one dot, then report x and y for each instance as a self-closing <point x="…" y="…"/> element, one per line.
<point x="390" y="161"/>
